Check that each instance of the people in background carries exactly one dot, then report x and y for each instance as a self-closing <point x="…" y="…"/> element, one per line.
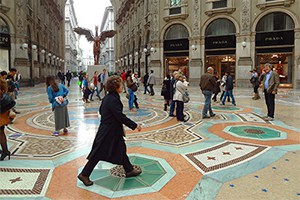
<point x="181" y="88"/>
<point x="57" y="94"/>
<point x="254" y="80"/>
<point x="270" y="83"/>
<point x="151" y="82"/>
<point x="68" y="77"/>
<point x="229" y="89"/>
<point x="207" y="85"/>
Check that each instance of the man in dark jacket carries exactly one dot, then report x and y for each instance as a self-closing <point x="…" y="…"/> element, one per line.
<point x="69" y="77"/>
<point x="228" y="89"/>
<point x="270" y="81"/>
<point x="145" y="81"/>
<point x="207" y="85"/>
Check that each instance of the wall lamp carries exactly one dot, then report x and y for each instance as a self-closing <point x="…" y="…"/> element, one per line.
<point x="136" y="53"/>
<point x="24" y="46"/>
<point x="34" y="47"/>
<point x="43" y="51"/>
<point x="194" y="48"/>
<point x="49" y="54"/>
<point x="130" y="56"/>
<point x="152" y="49"/>
<point x="244" y="44"/>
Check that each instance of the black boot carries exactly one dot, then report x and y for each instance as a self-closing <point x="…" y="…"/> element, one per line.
<point x="165" y="108"/>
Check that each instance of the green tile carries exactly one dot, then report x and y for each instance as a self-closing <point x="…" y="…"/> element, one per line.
<point x="156" y="167"/>
<point x="149" y="179"/>
<point x="141" y="161"/>
<point x="109" y="182"/>
<point x="99" y="173"/>
<point x="131" y="183"/>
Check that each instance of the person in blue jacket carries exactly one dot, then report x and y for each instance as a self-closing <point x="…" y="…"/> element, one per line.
<point x="57" y="94"/>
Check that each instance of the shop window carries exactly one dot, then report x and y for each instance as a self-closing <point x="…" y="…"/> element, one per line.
<point x="274" y="22"/>
<point x="176" y="31"/>
<point x="220" y="27"/>
<point x="175" y="3"/>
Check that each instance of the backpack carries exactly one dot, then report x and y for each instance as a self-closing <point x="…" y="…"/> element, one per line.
<point x="99" y="78"/>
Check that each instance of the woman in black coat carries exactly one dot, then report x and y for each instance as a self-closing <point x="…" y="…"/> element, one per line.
<point x="109" y="144"/>
<point x="165" y="91"/>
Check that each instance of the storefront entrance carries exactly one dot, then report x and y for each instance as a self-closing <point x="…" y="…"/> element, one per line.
<point x="178" y="63"/>
<point x="222" y="64"/>
<point x="4" y="46"/>
<point x="275" y="45"/>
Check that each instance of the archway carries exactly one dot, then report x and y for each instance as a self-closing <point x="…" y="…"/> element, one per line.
<point x="274" y="43"/>
<point x="220" y="46"/>
<point x="4" y="45"/>
<point x="176" y="49"/>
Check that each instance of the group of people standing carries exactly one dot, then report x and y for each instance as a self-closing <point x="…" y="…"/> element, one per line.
<point x="210" y="85"/>
<point x="9" y="87"/>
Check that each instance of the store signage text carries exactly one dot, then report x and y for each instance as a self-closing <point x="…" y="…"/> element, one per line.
<point x="220" y="42"/>
<point x="4" y="40"/>
<point x="274" y="38"/>
<point x="176" y="45"/>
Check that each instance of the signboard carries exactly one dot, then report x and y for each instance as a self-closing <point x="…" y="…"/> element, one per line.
<point x="220" y="42"/>
<point x="176" y="45"/>
<point x="4" y="41"/>
<point x="275" y="38"/>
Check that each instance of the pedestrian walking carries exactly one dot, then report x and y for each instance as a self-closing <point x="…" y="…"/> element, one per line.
<point x="207" y="85"/>
<point x="151" y="81"/>
<point x="95" y="86"/>
<point x="68" y="77"/>
<point x="229" y="89"/>
<point x="180" y="90"/>
<point x="109" y="144"/>
<point x="165" y="91"/>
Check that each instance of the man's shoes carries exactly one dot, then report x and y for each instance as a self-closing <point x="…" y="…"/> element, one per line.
<point x="205" y="117"/>
<point x="85" y="180"/>
<point x="213" y="115"/>
<point x="172" y="116"/>
<point x="269" y="119"/>
<point x="234" y="104"/>
<point x="134" y="172"/>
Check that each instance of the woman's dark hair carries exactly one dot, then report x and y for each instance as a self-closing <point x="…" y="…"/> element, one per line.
<point x="168" y="76"/>
<point x="113" y="83"/>
<point x="50" y="81"/>
<point x="3" y="85"/>
<point x="128" y="73"/>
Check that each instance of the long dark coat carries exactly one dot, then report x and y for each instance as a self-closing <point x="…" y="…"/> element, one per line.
<point x="109" y="144"/>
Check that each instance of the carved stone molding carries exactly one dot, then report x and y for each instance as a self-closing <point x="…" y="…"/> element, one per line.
<point x="155" y="25"/>
<point x="196" y="30"/>
<point x="297" y="34"/>
<point x="263" y="5"/>
<point x="245" y="15"/>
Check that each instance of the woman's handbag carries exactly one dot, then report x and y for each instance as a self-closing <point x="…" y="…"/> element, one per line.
<point x="134" y="87"/>
<point x="185" y="98"/>
<point x="6" y="103"/>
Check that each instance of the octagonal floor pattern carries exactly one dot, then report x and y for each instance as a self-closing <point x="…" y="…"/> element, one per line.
<point x="198" y="159"/>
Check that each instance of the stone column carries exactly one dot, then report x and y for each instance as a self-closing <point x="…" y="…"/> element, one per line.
<point x="297" y="59"/>
<point x="243" y="46"/>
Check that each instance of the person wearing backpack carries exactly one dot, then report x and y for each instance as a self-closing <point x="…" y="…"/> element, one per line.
<point x="102" y="79"/>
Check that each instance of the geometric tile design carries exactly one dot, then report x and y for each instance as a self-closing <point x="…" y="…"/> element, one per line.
<point x="177" y="136"/>
<point x="223" y="155"/>
<point x="43" y="147"/>
<point x="251" y="117"/>
<point x="25" y="182"/>
<point x="155" y="174"/>
<point x="255" y="132"/>
<point x="226" y="108"/>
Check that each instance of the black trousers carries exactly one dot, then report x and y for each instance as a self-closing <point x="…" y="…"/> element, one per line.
<point x="179" y="110"/>
<point x="270" y="101"/>
<point x="91" y="164"/>
<point x="255" y="89"/>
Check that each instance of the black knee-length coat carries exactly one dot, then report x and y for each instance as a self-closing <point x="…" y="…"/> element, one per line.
<point x="109" y="144"/>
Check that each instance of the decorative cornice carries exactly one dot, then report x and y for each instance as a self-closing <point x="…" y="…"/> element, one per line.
<point x="124" y="9"/>
<point x="286" y="3"/>
<point x="4" y="9"/>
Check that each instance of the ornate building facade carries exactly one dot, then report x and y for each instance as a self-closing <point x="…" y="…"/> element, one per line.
<point x="32" y="38"/>
<point x="230" y="35"/>
<point x="107" y="56"/>
<point x="72" y="51"/>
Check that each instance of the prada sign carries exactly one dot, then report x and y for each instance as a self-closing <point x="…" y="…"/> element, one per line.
<point x="176" y="45"/>
<point x="275" y="38"/>
<point x="220" y="42"/>
<point x="4" y="41"/>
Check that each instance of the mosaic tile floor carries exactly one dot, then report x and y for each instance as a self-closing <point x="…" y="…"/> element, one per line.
<point x="235" y="155"/>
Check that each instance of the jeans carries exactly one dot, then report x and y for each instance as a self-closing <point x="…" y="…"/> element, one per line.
<point x="207" y="105"/>
<point x="98" y="93"/>
<point x="131" y="98"/>
<point x="172" y="106"/>
<point x="270" y="101"/>
<point x="228" y="93"/>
